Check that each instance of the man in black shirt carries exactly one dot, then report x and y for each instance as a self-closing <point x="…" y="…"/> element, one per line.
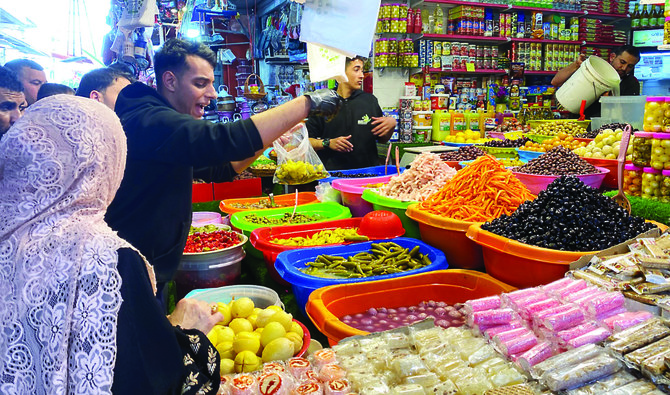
<point x="623" y="59"/>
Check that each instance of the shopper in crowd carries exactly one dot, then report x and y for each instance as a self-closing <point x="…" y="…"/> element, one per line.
<point x="104" y="85"/>
<point x="167" y="139"/>
<point x="12" y="99"/>
<point x="349" y="141"/>
<point x="51" y="88"/>
<point x="623" y="59"/>
<point x="78" y="308"/>
<point x="31" y="75"/>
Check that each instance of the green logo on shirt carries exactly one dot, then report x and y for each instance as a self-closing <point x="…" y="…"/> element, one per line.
<point x="365" y="120"/>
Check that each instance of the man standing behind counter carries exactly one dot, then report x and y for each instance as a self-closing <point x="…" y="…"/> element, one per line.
<point x="167" y="140"/>
<point x="623" y="59"/>
<point x="349" y="140"/>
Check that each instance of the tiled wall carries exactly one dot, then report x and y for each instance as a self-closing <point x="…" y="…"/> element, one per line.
<point x="389" y="86"/>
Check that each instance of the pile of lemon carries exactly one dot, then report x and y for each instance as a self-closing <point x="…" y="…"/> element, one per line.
<point x="468" y="136"/>
<point x="249" y="336"/>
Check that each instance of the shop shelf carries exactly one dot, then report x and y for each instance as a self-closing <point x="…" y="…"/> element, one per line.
<point x="465" y="37"/>
<point x="547" y="10"/>
<point x="540" y="72"/>
<point x="460" y="2"/>
<point x="599" y="44"/>
<point x="605" y="15"/>
<point x="535" y="40"/>
<point x="326" y="305"/>
<point x="434" y="70"/>
<point x="289" y="263"/>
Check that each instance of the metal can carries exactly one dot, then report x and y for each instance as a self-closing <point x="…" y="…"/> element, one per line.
<point x="480" y="51"/>
<point x="479" y="63"/>
<point x="472" y="50"/>
<point x="437" y="61"/>
<point x="465" y="49"/>
<point x="494" y="51"/>
<point x="437" y="48"/>
<point x="486" y="51"/>
<point x="487" y="63"/>
<point x="494" y="63"/>
<point x="455" y="48"/>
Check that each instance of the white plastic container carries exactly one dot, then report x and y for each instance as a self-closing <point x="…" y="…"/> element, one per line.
<point x="593" y="78"/>
<point x="262" y="296"/>
<point x="202" y="218"/>
<point x="628" y="109"/>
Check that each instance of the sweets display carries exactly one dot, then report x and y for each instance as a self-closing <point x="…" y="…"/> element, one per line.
<point x="383" y="258"/>
<point x="427" y="174"/>
<point x="569" y="216"/>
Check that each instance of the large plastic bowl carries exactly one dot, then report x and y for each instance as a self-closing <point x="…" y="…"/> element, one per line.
<point x="210" y="269"/>
<point x="202" y="218"/>
<point x="376" y="170"/>
<point x="534" y="124"/>
<point x="537" y="183"/>
<point x="448" y="235"/>
<point x="260" y="239"/>
<point x="328" y="211"/>
<point x="326" y="305"/>
<point x="521" y="265"/>
<point x="396" y="206"/>
<point x="351" y="190"/>
<point x="289" y="263"/>
<point x="528" y="155"/>
<point x="454" y="163"/>
<point x="226" y="205"/>
<point x="612" y="177"/>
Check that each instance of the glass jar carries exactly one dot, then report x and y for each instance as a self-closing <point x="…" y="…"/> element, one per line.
<point x="392" y="45"/>
<point x="386" y="25"/>
<point x="660" y="151"/>
<point x="665" y="187"/>
<point x="654" y="114"/>
<point x="642" y="148"/>
<point x="392" y="60"/>
<point x="651" y="183"/>
<point x="395" y="10"/>
<point x="666" y="31"/>
<point x="381" y="60"/>
<point x="632" y="180"/>
<point x="403" y="11"/>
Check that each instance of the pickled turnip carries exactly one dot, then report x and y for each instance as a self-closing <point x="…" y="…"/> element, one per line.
<point x="385" y="318"/>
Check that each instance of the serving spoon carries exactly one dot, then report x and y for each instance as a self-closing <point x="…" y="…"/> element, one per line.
<point x="620" y="198"/>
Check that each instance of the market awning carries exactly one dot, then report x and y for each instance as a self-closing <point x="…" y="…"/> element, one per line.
<point x="19" y="45"/>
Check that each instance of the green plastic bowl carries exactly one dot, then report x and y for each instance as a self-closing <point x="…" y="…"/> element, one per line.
<point x="395" y="206"/>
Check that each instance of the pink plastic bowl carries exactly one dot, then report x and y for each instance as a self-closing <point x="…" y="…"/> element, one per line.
<point x="202" y="218"/>
<point x="537" y="183"/>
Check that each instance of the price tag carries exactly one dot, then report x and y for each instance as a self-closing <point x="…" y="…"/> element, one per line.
<point x="469" y="67"/>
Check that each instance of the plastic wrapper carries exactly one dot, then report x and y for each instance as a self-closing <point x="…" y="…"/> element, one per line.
<point x="596" y="279"/>
<point x="274" y="367"/>
<point x="510" y="334"/>
<point x="660" y="347"/>
<point x="481" y="355"/>
<point x="510" y="297"/>
<point x="625" y="320"/>
<point x="607" y="302"/>
<point x="352" y="347"/>
<point x="507" y="376"/>
<point x="396" y="340"/>
<point x="588" y="291"/>
<point x="298" y="365"/>
<point x="540" y="352"/>
<point x="275" y="384"/>
<point x="493" y="364"/>
<point x="564" y="320"/>
<point x="408" y="389"/>
<point x="540" y="315"/>
<point x="494" y="330"/>
<point x="309" y="375"/>
<point x="640" y="338"/>
<point x="607" y="314"/>
<point x="636" y="387"/>
<point x="297" y="162"/>
<point x="558" y="284"/>
<point x="534" y="308"/>
<point x="331" y="372"/>
<point x="243" y="384"/>
<point x="576" y="331"/>
<point x="604" y="385"/>
<point x="309" y="388"/>
<point x="492" y="317"/>
<point x="488" y="303"/>
<point x="519" y="304"/>
<point x="582" y="302"/>
<point x="572" y="376"/>
<point x="595" y="336"/>
<point x="567" y="358"/>
<point x="425" y="380"/>
<point x="641" y="327"/>
<point x="446" y="387"/>
<point x="474" y="385"/>
<point x="571" y="288"/>
<point x="409" y="366"/>
<point x="337" y="387"/>
<point x="352" y="361"/>
<point x="325" y="356"/>
<point x="519" y="344"/>
<point x="655" y="365"/>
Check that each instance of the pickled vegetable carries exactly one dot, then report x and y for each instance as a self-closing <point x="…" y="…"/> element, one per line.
<point x="299" y="172"/>
<point x="287" y="218"/>
<point x="261" y="204"/>
<point x="329" y="236"/>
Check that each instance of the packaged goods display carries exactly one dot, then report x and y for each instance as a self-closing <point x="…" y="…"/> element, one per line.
<point x="482" y="191"/>
<point x="427" y="174"/>
<point x="569" y="216"/>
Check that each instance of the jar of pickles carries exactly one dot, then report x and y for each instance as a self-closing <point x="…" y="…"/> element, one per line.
<point x="403" y="11"/>
<point x="385" y="10"/>
<point x="651" y="183"/>
<point x="392" y="45"/>
<point x="392" y="60"/>
<point x="642" y="148"/>
<point x="654" y="113"/>
<point x="382" y="60"/>
<point x="660" y="151"/>
<point x="665" y="186"/>
<point x="395" y="10"/>
<point x="632" y="180"/>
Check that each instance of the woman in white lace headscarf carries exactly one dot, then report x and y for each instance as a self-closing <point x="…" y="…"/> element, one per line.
<point x="77" y="311"/>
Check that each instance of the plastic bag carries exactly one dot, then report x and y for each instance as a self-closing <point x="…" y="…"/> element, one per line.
<point x="297" y="162"/>
<point x="326" y="193"/>
<point x="138" y="13"/>
<point x="325" y="63"/>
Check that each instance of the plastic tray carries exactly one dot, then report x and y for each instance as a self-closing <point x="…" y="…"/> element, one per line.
<point x="535" y="123"/>
<point x="448" y="235"/>
<point x="500" y="152"/>
<point x="377" y="170"/>
<point x="454" y="163"/>
<point x="289" y="262"/>
<point x="351" y="190"/>
<point x="528" y="155"/>
<point x="537" y="183"/>
<point x="395" y="206"/>
<point x="611" y="179"/>
<point x="288" y="199"/>
<point x="260" y="239"/>
<point x="456" y="144"/>
<point x="518" y="264"/>
<point x="327" y="304"/>
<point x="329" y="211"/>
<point x="539" y="138"/>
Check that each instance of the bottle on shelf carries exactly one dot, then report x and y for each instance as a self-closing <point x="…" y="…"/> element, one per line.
<point x="659" y="19"/>
<point x="418" y="21"/>
<point x="653" y="24"/>
<point x="438" y="17"/>
<point x="644" y="18"/>
<point x="635" y="18"/>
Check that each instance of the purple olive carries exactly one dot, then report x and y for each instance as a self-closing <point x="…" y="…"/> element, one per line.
<point x="381" y="315"/>
<point x="369" y="328"/>
<point x="366" y="321"/>
<point x="372" y="311"/>
<point x="441" y="304"/>
<point x="359" y="316"/>
<point x="402" y="309"/>
<point x="346" y="318"/>
<point x="411" y="318"/>
<point x="382" y="310"/>
<point x="455" y="314"/>
<point x="395" y="319"/>
<point x="431" y="303"/>
<point x="382" y="322"/>
<point x="412" y="308"/>
<point x="421" y="309"/>
<point x="392" y="311"/>
<point x="442" y="323"/>
<point x="440" y="311"/>
<point x="422" y="316"/>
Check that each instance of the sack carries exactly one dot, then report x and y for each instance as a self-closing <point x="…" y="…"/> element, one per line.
<point x="138" y="13"/>
<point x="297" y="162"/>
<point x="345" y="25"/>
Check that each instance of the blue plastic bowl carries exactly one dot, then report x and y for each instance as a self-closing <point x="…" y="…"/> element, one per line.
<point x="376" y="170"/>
<point x="288" y="264"/>
<point x="456" y="144"/>
<point x="528" y="155"/>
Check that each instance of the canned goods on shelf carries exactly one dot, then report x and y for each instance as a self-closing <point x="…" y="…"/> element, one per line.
<point x="632" y="180"/>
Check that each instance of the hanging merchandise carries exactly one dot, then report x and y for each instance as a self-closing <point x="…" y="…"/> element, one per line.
<point x="344" y="25"/>
<point x="325" y="63"/>
<point x="138" y="13"/>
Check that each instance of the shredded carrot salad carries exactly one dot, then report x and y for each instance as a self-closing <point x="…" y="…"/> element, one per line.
<point x="480" y="192"/>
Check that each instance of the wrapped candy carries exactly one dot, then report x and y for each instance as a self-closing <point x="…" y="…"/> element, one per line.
<point x="569" y="334"/>
<point x="242" y="384"/>
<point x="331" y="372"/>
<point x="274" y="367"/>
<point x="324" y="356"/>
<point x="494" y="330"/>
<point x="564" y="320"/>
<point x="510" y="297"/>
<point x="535" y="355"/>
<point x="604" y="385"/>
<point x="488" y="303"/>
<point x="572" y="376"/>
<point x="595" y="336"/>
<point x="518" y="344"/>
<point x="298" y="365"/>
<point x="558" y="284"/>
<point x="309" y="388"/>
<point x="571" y="288"/>
<point x="337" y="387"/>
<point x="528" y="300"/>
<point x="619" y="322"/>
<point x="274" y="384"/>
<point x="568" y="358"/>
<point x="533" y="309"/>
<point x="603" y="303"/>
<point x="510" y="334"/>
<point x="540" y="315"/>
<point x="640" y="338"/>
<point x="640" y="386"/>
<point x="490" y="317"/>
<point x="588" y="291"/>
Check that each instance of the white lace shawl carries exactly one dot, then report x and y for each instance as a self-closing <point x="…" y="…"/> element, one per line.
<point x="60" y="166"/>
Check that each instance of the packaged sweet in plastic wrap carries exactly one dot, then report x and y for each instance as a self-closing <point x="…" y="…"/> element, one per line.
<point x="573" y="376"/>
<point x="567" y="358"/>
<point x="637" y="339"/>
<point x="604" y="385"/>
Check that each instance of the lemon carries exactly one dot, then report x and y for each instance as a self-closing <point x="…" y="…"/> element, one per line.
<point x="257" y="310"/>
<point x="295" y="327"/>
<point x="226" y="334"/>
<point x="241" y="325"/>
<point x="264" y="317"/>
<point x="246" y="361"/>
<point x="242" y="307"/>
<point x="225" y="349"/>
<point x="274" y="307"/>
<point x="246" y="341"/>
<point x="297" y="340"/>
<point x="252" y="319"/>
<point x="278" y="350"/>
<point x="224" y="309"/>
<point x="284" y="318"/>
<point x="272" y="330"/>
<point x="227" y="366"/>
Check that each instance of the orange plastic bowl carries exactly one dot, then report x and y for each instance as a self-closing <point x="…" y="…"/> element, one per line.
<point x="326" y="305"/>
<point x="521" y="265"/>
<point x="283" y="200"/>
<point x="448" y="235"/>
<point x="612" y="177"/>
<point x="454" y="163"/>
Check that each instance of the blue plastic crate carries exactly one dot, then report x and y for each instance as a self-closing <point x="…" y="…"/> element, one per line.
<point x="376" y="170"/>
<point x="288" y="264"/>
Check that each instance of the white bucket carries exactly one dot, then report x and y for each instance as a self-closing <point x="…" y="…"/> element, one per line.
<point x="589" y="82"/>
